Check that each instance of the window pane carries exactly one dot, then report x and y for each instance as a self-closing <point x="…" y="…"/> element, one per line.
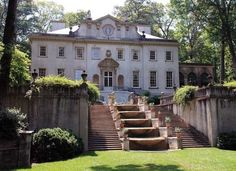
<point x="61" y="51"/>
<point x="42" y="72"/>
<point x="168" y="56"/>
<point x="135" y="55"/>
<point x="60" y="71"/>
<point x="153" y="79"/>
<point x="42" y="51"/>
<point x="80" y="52"/>
<point x="169" y="79"/>
<point x="135" y="78"/>
<point x="152" y="55"/>
<point x="120" y="54"/>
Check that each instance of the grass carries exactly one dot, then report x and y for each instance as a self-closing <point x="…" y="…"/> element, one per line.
<point x="202" y="159"/>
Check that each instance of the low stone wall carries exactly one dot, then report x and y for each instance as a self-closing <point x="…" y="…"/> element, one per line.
<point x="53" y="107"/>
<point x="211" y="112"/>
<point x="16" y="153"/>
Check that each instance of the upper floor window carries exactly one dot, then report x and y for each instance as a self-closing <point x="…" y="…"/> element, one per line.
<point x="42" y="72"/>
<point x="61" y="51"/>
<point x="96" y="53"/>
<point x="43" y="51"/>
<point x="169" y="79"/>
<point x="61" y="71"/>
<point x="120" y="54"/>
<point x="153" y="79"/>
<point x="136" y="79"/>
<point x="79" y="53"/>
<point x="135" y="55"/>
<point x="152" y="55"/>
<point x="168" y="56"/>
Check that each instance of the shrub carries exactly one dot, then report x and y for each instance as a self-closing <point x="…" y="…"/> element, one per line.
<point x="60" y="81"/>
<point x="146" y="93"/>
<point x="230" y="84"/>
<point x="227" y="141"/>
<point x="11" y="122"/>
<point x="184" y="94"/>
<point x="53" y="144"/>
<point x="154" y="99"/>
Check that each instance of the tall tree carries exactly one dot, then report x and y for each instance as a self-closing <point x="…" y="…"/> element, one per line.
<point x="75" y="18"/>
<point x="8" y="41"/>
<point x="46" y="12"/>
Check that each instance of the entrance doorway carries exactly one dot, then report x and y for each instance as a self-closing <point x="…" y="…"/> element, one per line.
<point x="108" y="80"/>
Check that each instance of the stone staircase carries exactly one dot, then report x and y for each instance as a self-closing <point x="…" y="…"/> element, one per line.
<point x="102" y="133"/>
<point x="191" y="138"/>
<point x="140" y="130"/>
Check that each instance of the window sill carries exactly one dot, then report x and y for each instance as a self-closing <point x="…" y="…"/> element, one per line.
<point x="153" y="60"/>
<point x="136" y="88"/>
<point x="153" y="87"/>
<point x="43" y="56"/>
<point x="135" y="60"/>
<point x="61" y="57"/>
<point x="169" y="61"/>
<point x="169" y="88"/>
<point x="120" y="59"/>
<point x="79" y="58"/>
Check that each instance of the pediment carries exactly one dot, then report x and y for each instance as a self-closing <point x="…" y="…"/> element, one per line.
<point x="108" y="63"/>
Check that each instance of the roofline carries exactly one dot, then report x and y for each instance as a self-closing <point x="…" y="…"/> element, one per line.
<point x="66" y="37"/>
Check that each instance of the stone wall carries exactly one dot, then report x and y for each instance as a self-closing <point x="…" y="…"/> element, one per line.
<point x="16" y="153"/>
<point x="53" y="107"/>
<point x="211" y="112"/>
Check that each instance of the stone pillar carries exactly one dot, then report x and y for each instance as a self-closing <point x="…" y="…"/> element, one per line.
<point x="24" y="149"/>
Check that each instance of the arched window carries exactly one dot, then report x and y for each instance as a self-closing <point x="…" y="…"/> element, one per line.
<point x="204" y="79"/>
<point x="96" y="79"/>
<point x="181" y="79"/>
<point x="120" y="82"/>
<point x="192" y="78"/>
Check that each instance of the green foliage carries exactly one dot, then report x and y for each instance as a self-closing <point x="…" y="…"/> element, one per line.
<point x="59" y="81"/>
<point x="19" y="69"/>
<point x="184" y="94"/>
<point x="230" y="84"/>
<point x="146" y="93"/>
<point x="74" y="18"/>
<point x="227" y="141"/>
<point x="154" y="99"/>
<point x="53" y="144"/>
<point x="11" y="122"/>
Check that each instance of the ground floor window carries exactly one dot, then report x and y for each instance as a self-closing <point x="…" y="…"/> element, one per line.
<point x="169" y="79"/>
<point x="153" y="79"/>
<point x="108" y="79"/>
<point x="42" y="72"/>
<point x="78" y="73"/>
<point x="136" y="79"/>
<point x="61" y="71"/>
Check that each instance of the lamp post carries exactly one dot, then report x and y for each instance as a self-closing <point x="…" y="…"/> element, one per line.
<point x="34" y="75"/>
<point x="84" y="76"/>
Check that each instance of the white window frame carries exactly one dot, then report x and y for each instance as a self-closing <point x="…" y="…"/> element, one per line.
<point x="169" y="81"/>
<point x="61" y="52"/>
<point x="137" y="54"/>
<point x="122" y="54"/>
<point x="171" y="55"/>
<point x="153" y="80"/>
<point x="40" y="51"/>
<point x="95" y="56"/>
<point x="40" y="72"/>
<point x="150" y="55"/>
<point x="79" y="56"/>
<point x="136" y="80"/>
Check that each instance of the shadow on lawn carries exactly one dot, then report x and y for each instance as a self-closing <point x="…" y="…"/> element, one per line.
<point x="153" y="167"/>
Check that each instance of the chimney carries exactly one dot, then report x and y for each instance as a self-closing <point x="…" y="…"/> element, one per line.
<point x="57" y="25"/>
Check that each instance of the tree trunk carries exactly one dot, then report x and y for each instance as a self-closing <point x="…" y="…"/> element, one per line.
<point x="8" y="41"/>
<point x="222" y="57"/>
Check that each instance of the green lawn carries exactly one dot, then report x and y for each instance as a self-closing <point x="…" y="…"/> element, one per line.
<point x="203" y="159"/>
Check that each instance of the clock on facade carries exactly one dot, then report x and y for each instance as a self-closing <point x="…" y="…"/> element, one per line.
<point x="108" y="30"/>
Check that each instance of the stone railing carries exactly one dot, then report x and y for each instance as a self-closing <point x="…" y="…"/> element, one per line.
<point x="166" y="99"/>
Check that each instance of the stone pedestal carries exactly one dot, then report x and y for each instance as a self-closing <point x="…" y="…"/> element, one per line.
<point x="174" y="143"/>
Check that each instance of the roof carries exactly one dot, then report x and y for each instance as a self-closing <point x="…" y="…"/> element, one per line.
<point x="64" y="31"/>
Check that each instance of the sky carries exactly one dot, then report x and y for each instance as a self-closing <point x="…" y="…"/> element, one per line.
<point x="98" y="8"/>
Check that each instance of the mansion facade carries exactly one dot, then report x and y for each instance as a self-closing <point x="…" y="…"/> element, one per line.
<point x="116" y="55"/>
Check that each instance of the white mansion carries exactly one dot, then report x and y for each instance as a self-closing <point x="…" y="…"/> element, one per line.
<point x="116" y="55"/>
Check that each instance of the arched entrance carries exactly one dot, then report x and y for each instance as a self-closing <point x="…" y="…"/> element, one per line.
<point x="181" y="79"/>
<point x="204" y="79"/>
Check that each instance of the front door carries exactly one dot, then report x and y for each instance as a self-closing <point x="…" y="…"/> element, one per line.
<point x="108" y="80"/>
